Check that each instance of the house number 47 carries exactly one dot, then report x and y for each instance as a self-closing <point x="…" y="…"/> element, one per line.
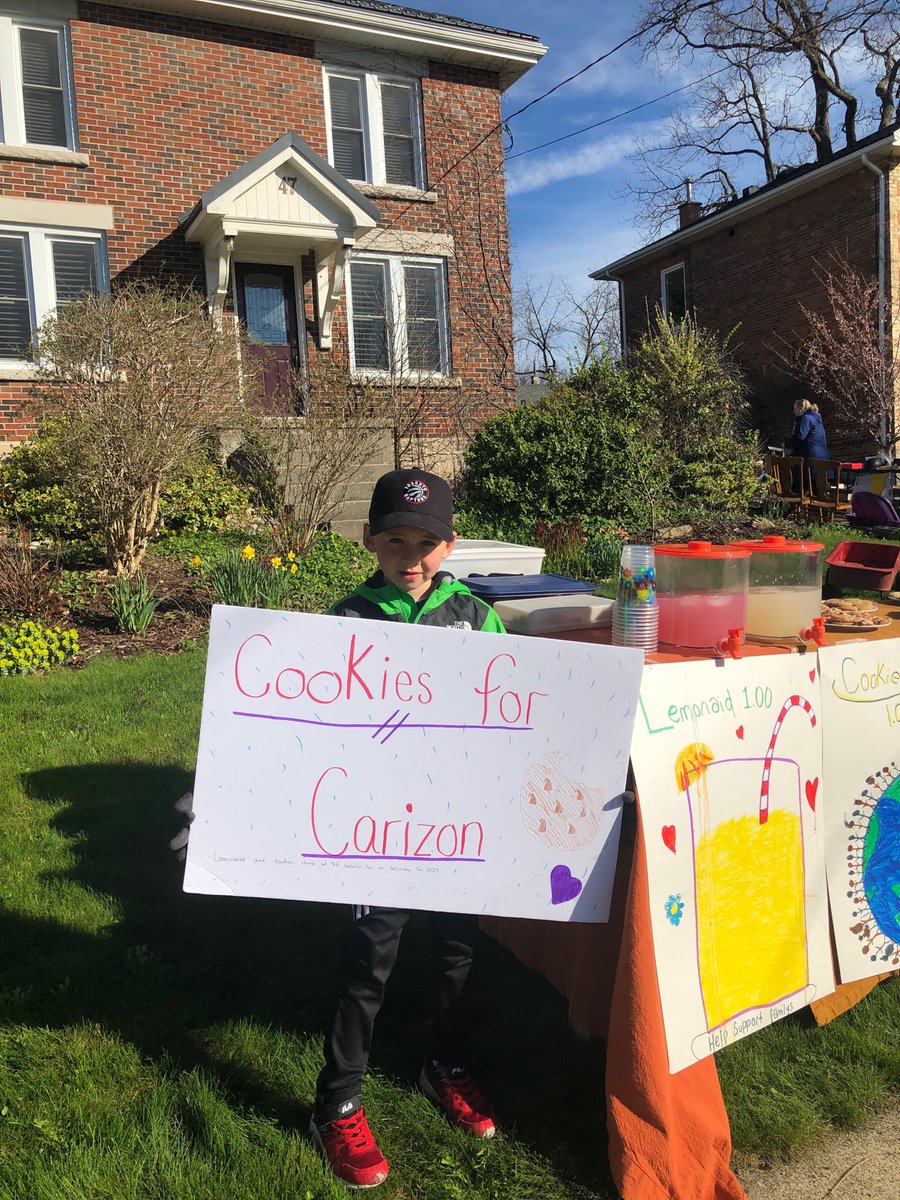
<point x="288" y="183"/>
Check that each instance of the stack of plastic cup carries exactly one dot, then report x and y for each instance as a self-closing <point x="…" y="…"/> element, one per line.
<point x="635" y="613"/>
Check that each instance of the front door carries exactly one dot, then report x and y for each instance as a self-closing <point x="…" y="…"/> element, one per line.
<point x="267" y="308"/>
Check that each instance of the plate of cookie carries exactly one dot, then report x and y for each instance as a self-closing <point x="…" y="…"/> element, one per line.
<point x="853" y="615"/>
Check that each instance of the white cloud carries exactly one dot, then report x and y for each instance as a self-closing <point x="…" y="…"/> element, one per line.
<point x="528" y="175"/>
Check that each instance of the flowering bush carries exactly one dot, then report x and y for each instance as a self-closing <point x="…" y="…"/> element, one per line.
<point x="30" y="647"/>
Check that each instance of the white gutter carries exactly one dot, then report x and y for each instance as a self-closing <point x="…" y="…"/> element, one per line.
<point x="623" y="330"/>
<point x="509" y="54"/>
<point x="882" y="214"/>
<point x="882" y="208"/>
<point x="751" y="207"/>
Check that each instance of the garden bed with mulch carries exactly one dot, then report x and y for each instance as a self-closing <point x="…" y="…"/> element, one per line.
<point x="181" y="618"/>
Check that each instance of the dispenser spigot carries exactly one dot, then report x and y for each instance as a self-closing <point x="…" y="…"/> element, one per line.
<point x="815" y="633"/>
<point x="733" y="645"/>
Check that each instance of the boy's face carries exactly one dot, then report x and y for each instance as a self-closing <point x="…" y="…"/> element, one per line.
<point x="409" y="558"/>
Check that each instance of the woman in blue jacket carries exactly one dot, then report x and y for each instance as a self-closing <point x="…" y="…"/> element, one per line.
<point x="808" y="435"/>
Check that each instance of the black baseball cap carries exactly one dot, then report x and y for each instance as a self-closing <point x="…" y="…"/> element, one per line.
<point x="412" y="497"/>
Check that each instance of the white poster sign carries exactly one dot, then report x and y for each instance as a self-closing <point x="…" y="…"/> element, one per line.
<point x="727" y="759"/>
<point x="861" y="704"/>
<point x="370" y="762"/>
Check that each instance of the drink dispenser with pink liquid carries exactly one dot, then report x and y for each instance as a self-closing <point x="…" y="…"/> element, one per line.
<point x="785" y="585"/>
<point x="702" y="593"/>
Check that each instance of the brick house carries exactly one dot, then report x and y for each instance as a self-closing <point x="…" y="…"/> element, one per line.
<point x="750" y="264"/>
<point x="330" y="170"/>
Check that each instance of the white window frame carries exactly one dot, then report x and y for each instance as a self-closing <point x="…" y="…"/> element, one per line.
<point x="663" y="290"/>
<point x="396" y="319"/>
<point x="12" y="107"/>
<point x="373" y="124"/>
<point x="40" y="280"/>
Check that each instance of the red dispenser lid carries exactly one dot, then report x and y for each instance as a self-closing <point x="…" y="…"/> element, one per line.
<point x="774" y="543"/>
<point x="701" y="550"/>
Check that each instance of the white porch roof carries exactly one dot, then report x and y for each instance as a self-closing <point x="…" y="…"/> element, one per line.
<point x="288" y="200"/>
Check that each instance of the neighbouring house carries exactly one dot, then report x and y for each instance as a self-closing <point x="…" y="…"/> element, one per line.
<point x="329" y="170"/>
<point x="750" y="265"/>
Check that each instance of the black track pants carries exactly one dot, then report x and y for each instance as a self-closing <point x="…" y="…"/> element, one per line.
<point x="366" y="964"/>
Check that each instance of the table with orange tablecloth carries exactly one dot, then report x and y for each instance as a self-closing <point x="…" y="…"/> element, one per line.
<point x="669" y="1137"/>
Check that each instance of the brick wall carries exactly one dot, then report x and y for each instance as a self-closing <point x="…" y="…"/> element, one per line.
<point x="167" y="107"/>
<point x="753" y="277"/>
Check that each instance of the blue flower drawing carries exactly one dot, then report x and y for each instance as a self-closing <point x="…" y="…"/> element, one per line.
<point x="674" y="909"/>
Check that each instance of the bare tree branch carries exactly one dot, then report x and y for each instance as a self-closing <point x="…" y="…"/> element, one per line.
<point x="788" y="60"/>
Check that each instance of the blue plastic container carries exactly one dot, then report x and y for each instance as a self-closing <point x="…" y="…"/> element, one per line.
<point x="521" y="587"/>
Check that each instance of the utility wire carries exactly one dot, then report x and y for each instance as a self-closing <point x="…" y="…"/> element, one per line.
<point x="562" y="83"/>
<point x="504" y="122"/>
<point x="617" y="116"/>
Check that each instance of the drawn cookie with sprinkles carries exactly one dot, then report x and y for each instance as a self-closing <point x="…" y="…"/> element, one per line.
<point x="560" y="812"/>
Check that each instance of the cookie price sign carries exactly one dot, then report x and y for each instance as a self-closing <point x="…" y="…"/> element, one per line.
<point x="374" y="763"/>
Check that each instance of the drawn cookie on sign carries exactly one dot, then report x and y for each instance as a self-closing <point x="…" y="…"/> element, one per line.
<point x="560" y="812"/>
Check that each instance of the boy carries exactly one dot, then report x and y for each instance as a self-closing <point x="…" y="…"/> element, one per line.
<point x="410" y="532"/>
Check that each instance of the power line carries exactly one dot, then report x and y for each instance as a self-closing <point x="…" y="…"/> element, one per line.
<point x="617" y="116"/>
<point x="504" y="122"/>
<point x="562" y="83"/>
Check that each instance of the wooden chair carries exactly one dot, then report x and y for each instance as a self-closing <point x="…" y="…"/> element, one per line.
<point x="825" y="493"/>
<point x="788" y="480"/>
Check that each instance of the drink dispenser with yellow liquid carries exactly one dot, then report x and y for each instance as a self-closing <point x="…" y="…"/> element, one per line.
<point x="701" y="591"/>
<point x="785" y="593"/>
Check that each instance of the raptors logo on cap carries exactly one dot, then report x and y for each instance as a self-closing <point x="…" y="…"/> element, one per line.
<point x="416" y="492"/>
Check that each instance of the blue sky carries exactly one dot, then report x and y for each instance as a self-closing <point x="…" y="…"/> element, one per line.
<point x="564" y="217"/>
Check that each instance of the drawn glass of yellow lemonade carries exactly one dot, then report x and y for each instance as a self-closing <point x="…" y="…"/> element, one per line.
<point x="749" y="880"/>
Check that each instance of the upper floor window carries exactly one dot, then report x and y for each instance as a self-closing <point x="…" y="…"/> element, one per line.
<point x="398" y="316"/>
<point x="374" y="127"/>
<point x="36" y="106"/>
<point x="674" y="293"/>
<point x="41" y="270"/>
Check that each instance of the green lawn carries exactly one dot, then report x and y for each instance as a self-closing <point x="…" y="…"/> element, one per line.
<point x="157" y="1045"/>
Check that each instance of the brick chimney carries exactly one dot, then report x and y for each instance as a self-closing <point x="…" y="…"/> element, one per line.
<point x="689" y="210"/>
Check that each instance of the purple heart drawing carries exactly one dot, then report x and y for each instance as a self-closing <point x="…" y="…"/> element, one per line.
<point x="563" y="886"/>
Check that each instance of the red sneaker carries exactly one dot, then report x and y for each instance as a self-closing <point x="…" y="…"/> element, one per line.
<point x="350" y="1150"/>
<point x="455" y="1092"/>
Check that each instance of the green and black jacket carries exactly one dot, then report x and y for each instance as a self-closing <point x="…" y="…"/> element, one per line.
<point x="447" y="604"/>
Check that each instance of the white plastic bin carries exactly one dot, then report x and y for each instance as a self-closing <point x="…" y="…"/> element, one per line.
<point x="552" y="614"/>
<point x="474" y="556"/>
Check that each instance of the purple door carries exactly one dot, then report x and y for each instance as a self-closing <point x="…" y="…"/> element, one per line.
<point x="268" y="311"/>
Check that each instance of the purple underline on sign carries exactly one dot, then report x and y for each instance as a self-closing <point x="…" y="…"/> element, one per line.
<point x="375" y="725"/>
<point x="391" y="858"/>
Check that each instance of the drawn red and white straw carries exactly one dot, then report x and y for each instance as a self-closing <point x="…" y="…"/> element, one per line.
<point x="791" y="702"/>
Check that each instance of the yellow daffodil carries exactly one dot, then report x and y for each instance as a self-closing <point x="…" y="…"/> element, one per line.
<point x="293" y="568"/>
<point x="291" y="556"/>
<point x="196" y="560"/>
<point x="248" y="552"/>
<point x="275" y="560"/>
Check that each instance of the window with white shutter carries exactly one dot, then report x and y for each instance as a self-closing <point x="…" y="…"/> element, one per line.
<point x="347" y="139"/>
<point x="74" y="269"/>
<point x="40" y="271"/>
<point x="398" y="124"/>
<point x="398" y="318"/>
<point x="15" y="305"/>
<point x="375" y="127"/>
<point x="36" y="99"/>
<point x="368" y="285"/>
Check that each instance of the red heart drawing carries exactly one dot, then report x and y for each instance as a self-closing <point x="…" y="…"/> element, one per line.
<point x="668" y="837"/>
<point x="740" y="732"/>
<point x="812" y="675"/>
<point x="812" y="786"/>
